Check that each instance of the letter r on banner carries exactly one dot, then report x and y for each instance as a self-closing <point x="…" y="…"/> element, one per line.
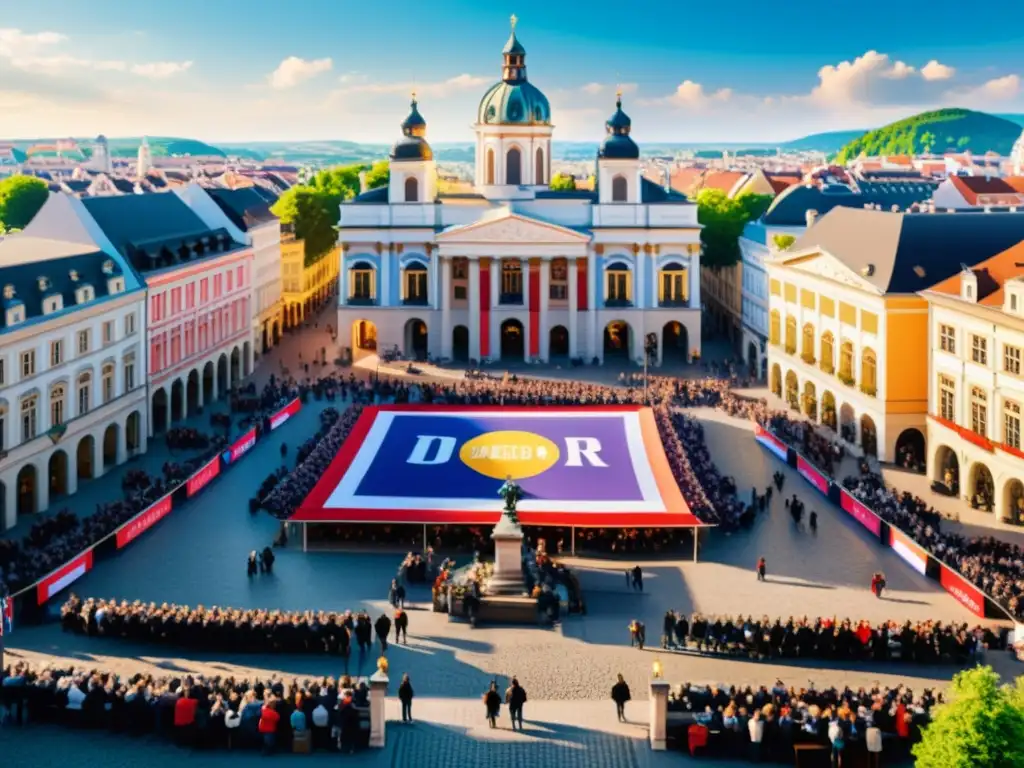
<point x="579" y="448"/>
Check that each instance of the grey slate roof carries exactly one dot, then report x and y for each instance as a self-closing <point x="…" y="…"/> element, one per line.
<point x="246" y="207"/>
<point x="910" y="252"/>
<point x="655" y="193"/>
<point x="790" y="208"/>
<point x="377" y="195"/>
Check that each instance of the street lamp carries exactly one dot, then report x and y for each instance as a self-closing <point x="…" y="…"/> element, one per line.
<point x="650" y="348"/>
<point x="656" y="670"/>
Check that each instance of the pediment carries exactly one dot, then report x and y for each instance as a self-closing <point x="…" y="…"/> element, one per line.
<point x="827" y="267"/>
<point x="512" y="228"/>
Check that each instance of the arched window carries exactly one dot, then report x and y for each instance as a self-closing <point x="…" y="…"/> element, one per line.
<point x="846" y="362"/>
<point x="828" y="362"/>
<point x="84" y="393"/>
<point x="674" y="285"/>
<point x="808" y="344"/>
<point x="412" y="190"/>
<point x="775" y="328"/>
<point x="539" y="169"/>
<point x="514" y="166"/>
<point x="415" y="284"/>
<point x="362" y="281"/>
<point x="791" y="335"/>
<point x="489" y="168"/>
<point x="28" y="417"/>
<point x="620" y="189"/>
<point x="57" y="403"/>
<point x="108" y="382"/>
<point x="868" y="372"/>
<point x="617" y="286"/>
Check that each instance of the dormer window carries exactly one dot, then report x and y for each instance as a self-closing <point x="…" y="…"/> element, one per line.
<point x="115" y="285"/>
<point x="73" y="274"/>
<point x="969" y="286"/>
<point x="53" y="304"/>
<point x="15" y="315"/>
<point x="84" y="294"/>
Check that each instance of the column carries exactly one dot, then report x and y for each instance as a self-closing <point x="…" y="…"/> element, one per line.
<point x="474" y="309"/>
<point x="592" y="343"/>
<point x="342" y="278"/>
<point x="573" y="307"/>
<point x="121" y="454"/>
<point x="97" y="452"/>
<point x="384" y="289"/>
<point x="378" y="715"/>
<point x="659" y="714"/>
<point x="545" y="294"/>
<point x="435" y="279"/>
<point x="445" y="299"/>
<point x="10" y="504"/>
<point x="640" y="291"/>
<point x="524" y="270"/>
<point x="42" y="487"/>
<point x="694" y="281"/>
<point x="494" y="327"/>
<point x="655" y="279"/>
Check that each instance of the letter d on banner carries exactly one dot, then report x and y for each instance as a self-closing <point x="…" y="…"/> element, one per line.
<point x="424" y="443"/>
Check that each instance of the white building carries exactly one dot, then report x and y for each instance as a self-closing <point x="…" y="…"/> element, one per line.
<point x="514" y="270"/>
<point x="72" y="362"/>
<point x="976" y="387"/>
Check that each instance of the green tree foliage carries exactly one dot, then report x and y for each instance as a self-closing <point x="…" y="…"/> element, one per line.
<point x="561" y="182"/>
<point x="21" y="197"/>
<point x="962" y="128"/>
<point x="379" y="175"/>
<point x="783" y="242"/>
<point x="981" y="726"/>
<point x="723" y="219"/>
<point x="754" y="205"/>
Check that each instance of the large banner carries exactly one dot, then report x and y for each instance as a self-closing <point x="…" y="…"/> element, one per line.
<point x="771" y="442"/>
<point x="284" y="414"/>
<point x="64" y="576"/>
<point x="812" y="475"/>
<point x="143" y="521"/>
<point x="860" y="513"/>
<point x="585" y="466"/>
<point x="911" y="553"/>
<point x="240" y="447"/>
<point x="968" y="594"/>
<point x="202" y="477"/>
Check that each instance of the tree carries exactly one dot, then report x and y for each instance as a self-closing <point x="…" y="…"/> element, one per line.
<point x="309" y="210"/>
<point x="21" y="197"/>
<point x="927" y="140"/>
<point x="754" y="205"/>
<point x="561" y="182"/>
<point x="783" y="242"/>
<point x="378" y="175"/>
<point x="981" y="726"/>
<point x="723" y="219"/>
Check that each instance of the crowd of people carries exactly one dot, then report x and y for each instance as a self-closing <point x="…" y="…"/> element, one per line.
<point x="195" y="711"/>
<point x="248" y="630"/>
<point x="764" y="724"/>
<point x="186" y="438"/>
<point x="926" y="642"/>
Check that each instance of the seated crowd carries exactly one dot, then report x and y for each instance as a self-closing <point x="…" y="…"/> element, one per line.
<point x="242" y="630"/>
<point x="186" y="438"/>
<point x="193" y="710"/>
<point x="822" y="452"/>
<point x="926" y="642"/>
<point x="328" y="418"/>
<point x="766" y="723"/>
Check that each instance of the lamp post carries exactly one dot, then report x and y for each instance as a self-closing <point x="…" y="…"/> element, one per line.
<point x="658" y="721"/>
<point x="650" y="348"/>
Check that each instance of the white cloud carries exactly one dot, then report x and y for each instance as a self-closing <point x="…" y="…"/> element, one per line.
<point x="596" y="89"/>
<point x="993" y="92"/>
<point x="933" y="70"/>
<point x="294" y="70"/>
<point x="438" y="89"/>
<point x="691" y="95"/>
<point x="159" y="70"/>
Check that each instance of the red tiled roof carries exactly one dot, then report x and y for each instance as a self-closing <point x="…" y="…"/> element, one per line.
<point x="899" y="160"/>
<point x="992" y="275"/>
<point x="723" y="180"/>
<point x="982" y="190"/>
<point x="781" y="182"/>
<point x="687" y="180"/>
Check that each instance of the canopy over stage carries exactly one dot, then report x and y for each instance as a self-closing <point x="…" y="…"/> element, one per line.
<point x="588" y="467"/>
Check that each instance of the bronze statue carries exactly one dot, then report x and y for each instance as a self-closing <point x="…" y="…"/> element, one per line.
<point x="510" y="493"/>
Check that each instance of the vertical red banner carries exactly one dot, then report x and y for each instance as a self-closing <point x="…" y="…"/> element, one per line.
<point x="581" y="285"/>
<point x="485" y="308"/>
<point x="535" y="267"/>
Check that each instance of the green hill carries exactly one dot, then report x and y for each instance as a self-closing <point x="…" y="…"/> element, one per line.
<point x="941" y="131"/>
<point x="831" y="141"/>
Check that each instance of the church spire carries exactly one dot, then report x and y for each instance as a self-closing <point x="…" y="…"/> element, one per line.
<point x="514" y="54"/>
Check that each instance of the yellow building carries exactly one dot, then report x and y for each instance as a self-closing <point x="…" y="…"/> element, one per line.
<point x="305" y="288"/>
<point x="848" y="332"/>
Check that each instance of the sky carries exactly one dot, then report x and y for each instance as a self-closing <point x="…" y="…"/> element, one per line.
<point x="226" y="70"/>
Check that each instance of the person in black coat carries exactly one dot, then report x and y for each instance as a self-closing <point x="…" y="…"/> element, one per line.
<point x="620" y="695"/>
<point x="401" y="627"/>
<point x="492" y="704"/>
<point x="364" y="632"/>
<point x="383" y="628"/>
<point x="252" y="568"/>
<point x="405" y="694"/>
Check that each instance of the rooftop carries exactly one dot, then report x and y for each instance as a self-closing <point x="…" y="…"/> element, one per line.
<point x="992" y="275"/>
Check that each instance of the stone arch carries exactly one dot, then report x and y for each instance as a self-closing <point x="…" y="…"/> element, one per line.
<point x="807" y="351"/>
<point x="910" y="448"/>
<point x="868" y="435"/>
<point x="514" y="166"/>
<point x="236" y="366"/>
<point x="27" y="489"/>
<point x="675" y="342"/>
<point x="558" y="342"/>
<point x="620" y="189"/>
<point x="412" y="189"/>
<point x="946" y="469"/>
<point x="246" y="358"/>
<point x="159" y="409"/>
<point x="209" y="381"/>
<point x="828" y="410"/>
<point x="1013" y="501"/>
<point x="364" y="336"/>
<point x="847" y="423"/>
<point x="460" y="343"/>
<point x="776" y="380"/>
<point x="58" y="474"/>
<point x="192" y="392"/>
<point x="810" y="401"/>
<point x="110" y="438"/>
<point x="980" y="487"/>
<point x="539" y="167"/>
<point x="793" y="390"/>
<point x="513" y="340"/>
<point x="133" y="432"/>
<point x="618" y="340"/>
<point x="416" y="339"/>
<point x="177" y="400"/>
<point x="84" y="454"/>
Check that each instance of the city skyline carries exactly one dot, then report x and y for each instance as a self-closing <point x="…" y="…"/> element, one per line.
<point x="215" y="73"/>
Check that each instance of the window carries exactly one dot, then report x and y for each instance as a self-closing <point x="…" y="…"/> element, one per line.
<point x="808" y="343"/>
<point x="827" y="353"/>
<point x="28" y="363"/>
<point x="947" y="339"/>
<point x="108" y="383"/>
<point x="57" y="395"/>
<point x="459" y="293"/>
<point x="416" y="284"/>
<point x="2" y="372"/>
<point x="979" y="350"/>
<point x="83" y="342"/>
<point x="459" y="269"/>
<point x="129" y="374"/>
<point x="1011" y="424"/>
<point x="1011" y="359"/>
<point x="129" y="324"/>
<point x="791" y="335"/>
<point x="947" y="398"/>
<point x="108" y="332"/>
<point x="673" y="285"/>
<point x="979" y="412"/>
<point x="868" y="372"/>
<point x="204" y="290"/>
<point x="511" y="281"/>
<point x="84" y="393"/>
<point x="1013" y="302"/>
<point x="56" y="353"/>
<point x="775" y="328"/>
<point x="617" y="284"/>
<point x="558" y="289"/>
<point x="620" y="189"/>
<point x="230" y="281"/>
<point x="3" y="427"/>
<point x="28" y="418"/>
<point x="362" y="281"/>
<point x="412" y="190"/>
<point x="846" y="362"/>
<point x="514" y="167"/>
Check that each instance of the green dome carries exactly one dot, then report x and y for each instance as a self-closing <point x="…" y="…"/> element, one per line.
<point x="518" y="103"/>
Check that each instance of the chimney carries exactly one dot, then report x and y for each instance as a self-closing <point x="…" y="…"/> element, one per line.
<point x="362" y="182"/>
<point x="811" y="216"/>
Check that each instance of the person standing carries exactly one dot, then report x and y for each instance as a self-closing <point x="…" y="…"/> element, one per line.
<point x="755" y="726"/>
<point x="515" y="697"/>
<point x="492" y="704"/>
<point x="620" y="695"/>
<point x="383" y="628"/>
<point x="762" y="568"/>
<point x="405" y="694"/>
<point x="401" y="627"/>
<point x="638" y="579"/>
<point x="251" y="566"/>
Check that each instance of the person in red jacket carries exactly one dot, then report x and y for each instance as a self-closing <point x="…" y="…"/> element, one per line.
<point x="268" y="725"/>
<point x="185" y="718"/>
<point x="762" y="566"/>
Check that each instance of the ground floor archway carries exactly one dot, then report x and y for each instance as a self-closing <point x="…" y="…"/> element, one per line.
<point x="946" y="469"/>
<point x="980" y="488"/>
<point x="674" y="343"/>
<point x="910" y="449"/>
<point x="192" y="392"/>
<point x="460" y="343"/>
<point x="868" y="436"/>
<point x="177" y="401"/>
<point x="776" y="382"/>
<point x="110" y="435"/>
<point x="236" y="366"/>
<point x="26" y="488"/>
<point x="828" y="409"/>
<point x="246" y="358"/>
<point x="364" y="336"/>
<point x="810" y="401"/>
<point x="617" y="341"/>
<point x="58" y="474"/>
<point x="558" y="342"/>
<point x="158" y="410"/>
<point x="792" y="390"/>
<point x="222" y="374"/>
<point x="1013" y="502"/>
<point x="133" y="432"/>
<point x="84" y="454"/>
<point x="848" y="423"/>
<point x="513" y="340"/>
<point x="752" y="355"/>
<point x="209" y="380"/>
<point x="416" y="339"/>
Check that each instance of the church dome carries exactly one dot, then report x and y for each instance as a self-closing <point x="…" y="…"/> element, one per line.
<point x="413" y="144"/>
<point x="619" y="145"/>
<point x="514" y="100"/>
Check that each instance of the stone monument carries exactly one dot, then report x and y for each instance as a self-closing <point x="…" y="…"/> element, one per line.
<point x="507" y="535"/>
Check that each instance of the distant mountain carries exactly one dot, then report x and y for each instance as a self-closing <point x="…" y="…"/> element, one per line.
<point x="1018" y="119"/>
<point x="127" y="146"/>
<point x="829" y="142"/>
<point x="940" y="131"/>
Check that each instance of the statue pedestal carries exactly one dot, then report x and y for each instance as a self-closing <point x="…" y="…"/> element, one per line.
<point x="507" y="578"/>
<point x="378" y="717"/>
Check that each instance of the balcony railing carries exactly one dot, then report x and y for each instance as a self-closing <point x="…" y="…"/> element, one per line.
<point x="415" y="301"/>
<point x="618" y="303"/>
<point x="846" y="378"/>
<point x="362" y="301"/>
<point x="869" y="389"/>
